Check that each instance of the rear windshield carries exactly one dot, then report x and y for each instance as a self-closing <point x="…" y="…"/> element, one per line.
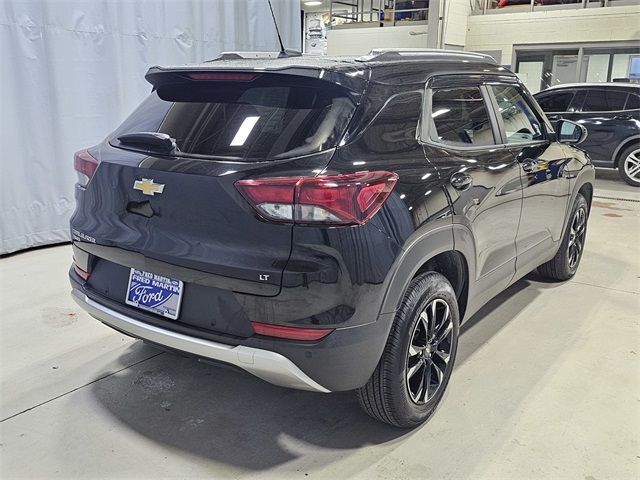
<point x="268" y="117"/>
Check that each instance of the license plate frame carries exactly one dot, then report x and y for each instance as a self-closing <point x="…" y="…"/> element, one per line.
<point x="154" y="293"/>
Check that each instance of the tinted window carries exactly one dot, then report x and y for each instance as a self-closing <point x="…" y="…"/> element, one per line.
<point x="633" y="102"/>
<point x="269" y="117"/>
<point x="459" y="117"/>
<point x="603" y="100"/>
<point x="394" y="127"/>
<point x="520" y="123"/>
<point x="556" y="102"/>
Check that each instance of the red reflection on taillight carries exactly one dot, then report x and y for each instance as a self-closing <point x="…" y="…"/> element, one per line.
<point x="349" y="199"/>
<point x="228" y="76"/>
<point x="81" y="273"/>
<point x="85" y="165"/>
<point x="290" y="333"/>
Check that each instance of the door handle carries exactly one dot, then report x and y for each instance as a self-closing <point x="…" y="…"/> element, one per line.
<point x="461" y="181"/>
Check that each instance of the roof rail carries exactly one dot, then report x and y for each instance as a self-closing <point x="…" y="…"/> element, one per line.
<point x="381" y="54"/>
<point x="254" y="55"/>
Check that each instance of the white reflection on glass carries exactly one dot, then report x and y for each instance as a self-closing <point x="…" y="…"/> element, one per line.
<point x="244" y="131"/>
<point x="439" y="112"/>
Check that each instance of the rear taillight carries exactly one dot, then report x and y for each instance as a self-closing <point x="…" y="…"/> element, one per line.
<point x="290" y="333"/>
<point x="81" y="273"/>
<point x="350" y="199"/>
<point x="85" y="165"/>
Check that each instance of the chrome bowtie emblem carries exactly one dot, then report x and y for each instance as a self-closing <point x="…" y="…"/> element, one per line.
<point x="148" y="187"/>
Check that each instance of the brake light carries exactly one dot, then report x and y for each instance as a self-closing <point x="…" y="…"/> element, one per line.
<point x="290" y="333"/>
<point x="228" y="76"/>
<point x="85" y="165"/>
<point x="350" y="199"/>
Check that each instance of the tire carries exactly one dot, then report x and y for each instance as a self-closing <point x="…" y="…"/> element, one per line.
<point x="392" y="394"/>
<point x="629" y="165"/>
<point x="566" y="261"/>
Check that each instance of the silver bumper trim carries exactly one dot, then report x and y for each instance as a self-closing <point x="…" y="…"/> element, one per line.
<point x="269" y="366"/>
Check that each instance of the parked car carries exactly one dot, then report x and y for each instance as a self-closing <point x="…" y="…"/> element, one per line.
<point x="327" y="223"/>
<point x="611" y="114"/>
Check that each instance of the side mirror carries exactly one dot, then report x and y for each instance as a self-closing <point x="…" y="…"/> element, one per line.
<point x="570" y="132"/>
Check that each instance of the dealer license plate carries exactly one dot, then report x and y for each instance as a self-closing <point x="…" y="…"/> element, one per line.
<point x="154" y="293"/>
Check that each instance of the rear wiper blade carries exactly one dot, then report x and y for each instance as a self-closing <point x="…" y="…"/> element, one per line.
<point x="154" y="140"/>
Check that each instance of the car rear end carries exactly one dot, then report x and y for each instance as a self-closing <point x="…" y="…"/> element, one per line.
<point x="210" y="222"/>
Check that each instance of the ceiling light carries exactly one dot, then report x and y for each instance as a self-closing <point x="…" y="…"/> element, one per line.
<point x="312" y="4"/>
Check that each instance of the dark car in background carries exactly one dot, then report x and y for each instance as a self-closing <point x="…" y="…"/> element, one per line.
<point x="611" y="114"/>
<point x="327" y="223"/>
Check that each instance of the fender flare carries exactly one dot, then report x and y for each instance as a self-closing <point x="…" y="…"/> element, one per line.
<point x="585" y="176"/>
<point x="416" y="252"/>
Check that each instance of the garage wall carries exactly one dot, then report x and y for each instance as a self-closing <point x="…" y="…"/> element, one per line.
<point x="502" y="31"/>
<point x="73" y="70"/>
<point x="360" y="41"/>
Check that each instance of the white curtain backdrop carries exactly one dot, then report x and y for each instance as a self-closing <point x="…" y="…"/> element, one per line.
<point x="72" y="70"/>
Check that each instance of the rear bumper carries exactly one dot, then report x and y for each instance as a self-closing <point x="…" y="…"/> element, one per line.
<point x="270" y="366"/>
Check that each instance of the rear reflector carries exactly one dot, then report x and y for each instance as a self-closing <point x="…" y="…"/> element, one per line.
<point x="81" y="273"/>
<point x="349" y="199"/>
<point x="290" y="333"/>
<point x="228" y="76"/>
<point x="85" y="165"/>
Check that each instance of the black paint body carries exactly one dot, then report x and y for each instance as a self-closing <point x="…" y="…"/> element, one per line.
<point x="202" y="231"/>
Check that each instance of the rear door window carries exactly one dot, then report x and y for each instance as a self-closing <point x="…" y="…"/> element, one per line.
<point x="269" y="117"/>
<point x="633" y="102"/>
<point x="459" y="117"/>
<point x="604" y="100"/>
<point x="520" y="123"/>
<point x="556" y="102"/>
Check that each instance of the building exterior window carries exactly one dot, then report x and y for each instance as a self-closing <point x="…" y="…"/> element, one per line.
<point x="541" y="68"/>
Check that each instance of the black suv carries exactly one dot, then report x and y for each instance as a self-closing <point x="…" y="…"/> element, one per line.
<point x="326" y="223"/>
<point x="611" y="114"/>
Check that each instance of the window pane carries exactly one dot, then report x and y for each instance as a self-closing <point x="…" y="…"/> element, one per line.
<point x="460" y="117"/>
<point x="604" y="100"/>
<point x="621" y="64"/>
<point x="564" y="69"/>
<point x="270" y="117"/>
<point x="633" y="102"/>
<point x="556" y="102"/>
<point x="597" y="67"/>
<point x="530" y="72"/>
<point x="520" y="124"/>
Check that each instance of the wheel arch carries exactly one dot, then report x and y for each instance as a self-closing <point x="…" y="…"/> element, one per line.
<point x="453" y="266"/>
<point x="587" y="192"/>
<point x="433" y="251"/>
<point x="617" y="155"/>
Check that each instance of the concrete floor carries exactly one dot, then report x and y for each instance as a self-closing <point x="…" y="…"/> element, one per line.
<point x="546" y="384"/>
